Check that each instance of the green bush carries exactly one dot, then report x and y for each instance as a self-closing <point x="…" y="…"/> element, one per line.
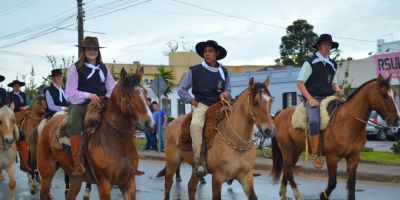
<point x="396" y="147"/>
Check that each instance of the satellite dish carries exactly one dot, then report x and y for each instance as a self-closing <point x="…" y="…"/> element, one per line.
<point x="169" y="47"/>
<point x="189" y="46"/>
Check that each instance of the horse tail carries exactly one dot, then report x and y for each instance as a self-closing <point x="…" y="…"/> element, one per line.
<point x="162" y="172"/>
<point x="277" y="160"/>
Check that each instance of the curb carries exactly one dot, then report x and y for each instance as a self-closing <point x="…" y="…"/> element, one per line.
<point x="307" y="171"/>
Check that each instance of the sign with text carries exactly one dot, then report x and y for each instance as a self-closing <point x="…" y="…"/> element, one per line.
<point x="388" y="64"/>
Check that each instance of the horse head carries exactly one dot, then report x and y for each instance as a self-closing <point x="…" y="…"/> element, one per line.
<point x="382" y="100"/>
<point x="8" y="127"/>
<point x="259" y="106"/>
<point x="39" y="105"/>
<point x="130" y="97"/>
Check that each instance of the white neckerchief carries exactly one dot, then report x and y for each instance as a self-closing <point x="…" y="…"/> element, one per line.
<point x="324" y="60"/>
<point x="214" y="69"/>
<point x="94" y="68"/>
<point x="20" y="97"/>
<point x="60" y="93"/>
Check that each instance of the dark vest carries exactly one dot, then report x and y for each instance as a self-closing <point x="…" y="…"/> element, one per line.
<point x="17" y="101"/>
<point x="94" y="84"/>
<point x="55" y="95"/>
<point x="207" y="85"/>
<point x="3" y="97"/>
<point x="320" y="81"/>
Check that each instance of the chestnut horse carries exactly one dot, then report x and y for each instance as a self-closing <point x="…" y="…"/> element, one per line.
<point x="232" y="154"/>
<point x="110" y="148"/>
<point x="36" y="115"/>
<point x="344" y="138"/>
<point x="8" y="150"/>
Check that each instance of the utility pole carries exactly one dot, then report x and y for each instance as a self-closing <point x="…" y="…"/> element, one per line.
<point x="80" y="25"/>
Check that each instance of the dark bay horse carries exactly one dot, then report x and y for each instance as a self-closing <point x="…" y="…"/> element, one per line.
<point x="344" y="138"/>
<point x="111" y="149"/>
<point x="232" y="154"/>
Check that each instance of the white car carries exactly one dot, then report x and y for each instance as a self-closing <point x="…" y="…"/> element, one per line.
<point x="380" y="133"/>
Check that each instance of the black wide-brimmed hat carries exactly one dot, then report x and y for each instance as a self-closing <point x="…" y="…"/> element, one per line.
<point x="2" y="78"/>
<point x="91" y="42"/>
<point x="56" y="72"/>
<point x="201" y="45"/>
<point x="16" y="82"/>
<point x="326" y="37"/>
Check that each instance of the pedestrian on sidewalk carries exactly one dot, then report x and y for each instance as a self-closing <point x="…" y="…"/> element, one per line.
<point x="163" y="121"/>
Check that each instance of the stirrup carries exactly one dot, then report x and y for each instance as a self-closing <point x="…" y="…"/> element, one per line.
<point x="317" y="158"/>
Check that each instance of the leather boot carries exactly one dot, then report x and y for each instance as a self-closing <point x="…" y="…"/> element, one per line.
<point x="76" y="150"/>
<point x="199" y="168"/>
<point x="318" y="162"/>
<point x="23" y="151"/>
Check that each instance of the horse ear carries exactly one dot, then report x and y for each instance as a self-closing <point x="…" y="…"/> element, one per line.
<point x="266" y="82"/>
<point x="251" y="82"/>
<point x="123" y="74"/>
<point x="390" y="77"/>
<point x="12" y="106"/>
<point x="380" y="77"/>
<point x="16" y="132"/>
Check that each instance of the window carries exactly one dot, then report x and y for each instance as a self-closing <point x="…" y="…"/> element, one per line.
<point x="166" y="105"/>
<point x="289" y="99"/>
<point x="181" y="107"/>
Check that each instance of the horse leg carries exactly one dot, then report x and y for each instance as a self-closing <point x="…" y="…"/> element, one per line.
<point x="86" y="195"/>
<point x="247" y="183"/>
<point x="66" y="181"/>
<point x="104" y="189"/>
<point x="129" y="190"/>
<point x="192" y="185"/>
<point x="11" y="184"/>
<point x="283" y="188"/>
<point x="178" y="177"/>
<point x="171" y="168"/>
<point x="332" y="163"/>
<point x="352" y="163"/>
<point x="216" y="186"/>
<point x="74" y="187"/>
<point x="47" y="168"/>
<point x="288" y="172"/>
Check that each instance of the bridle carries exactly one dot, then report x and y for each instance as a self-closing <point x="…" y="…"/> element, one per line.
<point x="248" y="144"/>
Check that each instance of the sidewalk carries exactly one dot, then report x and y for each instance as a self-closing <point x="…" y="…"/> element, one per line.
<point x="365" y="171"/>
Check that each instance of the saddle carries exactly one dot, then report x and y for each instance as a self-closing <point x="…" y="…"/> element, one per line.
<point x="214" y="115"/>
<point x="327" y="109"/>
<point x="94" y="115"/>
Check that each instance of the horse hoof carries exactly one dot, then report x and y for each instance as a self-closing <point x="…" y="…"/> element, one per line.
<point x="178" y="179"/>
<point x="322" y="196"/>
<point x="86" y="196"/>
<point x="203" y="181"/>
<point x="230" y="182"/>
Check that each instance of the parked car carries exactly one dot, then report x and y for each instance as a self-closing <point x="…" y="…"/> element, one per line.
<point x="379" y="133"/>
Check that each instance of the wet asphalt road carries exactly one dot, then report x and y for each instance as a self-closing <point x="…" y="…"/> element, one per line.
<point x="150" y="188"/>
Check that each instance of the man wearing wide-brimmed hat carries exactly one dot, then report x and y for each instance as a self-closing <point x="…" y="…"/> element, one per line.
<point x="316" y="81"/>
<point x="17" y="96"/>
<point x="20" y="102"/>
<point x="209" y="82"/>
<point x="87" y="80"/>
<point x="3" y="94"/>
<point x="55" y="96"/>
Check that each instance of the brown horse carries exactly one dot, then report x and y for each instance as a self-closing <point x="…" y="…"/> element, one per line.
<point x="232" y="154"/>
<point x="8" y="150"/>
<point x="344" y="138"/>
<point x="110" y="148"/>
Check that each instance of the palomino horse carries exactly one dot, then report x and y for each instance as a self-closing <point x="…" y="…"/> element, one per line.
<point x="232" y="154"/>
<point x="8" y="150"/>
<point x="344" y="138"/>
<point x="111" y="149"/>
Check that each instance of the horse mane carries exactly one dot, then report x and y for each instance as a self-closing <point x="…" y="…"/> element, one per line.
<point x="360" y="88"/>
<point x="130" y="83"/>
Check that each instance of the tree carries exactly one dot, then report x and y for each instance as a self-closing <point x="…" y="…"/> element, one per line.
<point x="297" y="44"/>
<point x="168" y="76"/>
<point x="345" y="82"/>
<point x="63" y="65"/>
<point x="30" y="86"/>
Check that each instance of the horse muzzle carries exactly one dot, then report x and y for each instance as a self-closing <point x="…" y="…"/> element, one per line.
<point x="8" y="141"/>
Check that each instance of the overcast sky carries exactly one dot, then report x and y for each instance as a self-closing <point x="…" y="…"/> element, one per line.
<point x="251" y="30"/>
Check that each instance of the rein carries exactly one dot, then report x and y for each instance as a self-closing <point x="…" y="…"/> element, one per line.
<point x="248" y="144"/>
<point x="118" y="129"/>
